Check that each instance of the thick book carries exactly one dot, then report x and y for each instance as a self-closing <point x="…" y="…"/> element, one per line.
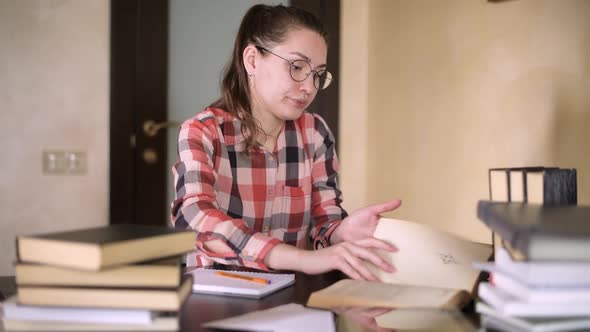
<point x="531" y="184"/>
<point x="540" y="294"/>
<point x="492" y="319"/>
<point x="97" y="248"/>
<point x="540" y="232"/>
<point x="410" y="319"/>
<point x="164" y="273"/>
<point x="15" y="311"/>
<point x="221" y="282"/>
<point x="505" y="304"/>
<point x="540" y="274"/>
<point x="359" y="293"/>
<point x="127" y="298"/>
<point x="163" y="322"/>
<point x="441" y="254"/>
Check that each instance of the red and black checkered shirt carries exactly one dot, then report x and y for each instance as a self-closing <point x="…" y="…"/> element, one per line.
<point x="253" y="201"/>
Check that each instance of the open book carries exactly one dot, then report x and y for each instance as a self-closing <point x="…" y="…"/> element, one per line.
<point x="434" y="269"/>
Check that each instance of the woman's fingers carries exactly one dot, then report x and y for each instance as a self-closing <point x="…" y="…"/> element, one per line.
<point x="366" y="254"/>
<point x="373" y="242"/>
<point x="360" y="268"/>
<point x="355" y="257"/>
<point x="346" y="268"/>
<point x="346" y="260"/>
<point x="385" y="207"/>
<point x="351" y="258"/>
<point x="373" y="257"/>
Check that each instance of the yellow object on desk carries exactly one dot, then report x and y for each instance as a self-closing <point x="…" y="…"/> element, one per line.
<point x="243" y="277"/>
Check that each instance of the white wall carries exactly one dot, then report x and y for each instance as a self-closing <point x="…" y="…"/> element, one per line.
<point x="54" y="95"/>
<point x="456" y="87"/>
<point x="201" y="39"/>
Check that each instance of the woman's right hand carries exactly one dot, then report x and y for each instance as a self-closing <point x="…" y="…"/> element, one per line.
<point x="348" y="257"/>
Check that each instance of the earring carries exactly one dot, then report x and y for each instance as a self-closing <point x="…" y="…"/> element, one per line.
<point x="251" y="80"/>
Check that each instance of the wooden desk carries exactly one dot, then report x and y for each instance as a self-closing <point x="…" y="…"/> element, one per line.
<point x="202" y="308"/>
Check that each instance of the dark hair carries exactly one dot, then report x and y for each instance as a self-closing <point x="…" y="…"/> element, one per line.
<point x="265" y="26"/>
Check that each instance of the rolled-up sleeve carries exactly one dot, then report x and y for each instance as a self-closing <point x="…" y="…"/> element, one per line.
<point x="195" y="206"/>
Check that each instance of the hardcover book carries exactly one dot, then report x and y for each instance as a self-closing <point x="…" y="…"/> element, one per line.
<point x="532" y="184"/>
<point x="116" y="298"/>
<point x="494" y="320"/>
<point x="505" y="304"/>
<point x="15" y="311"/>
<point x="94" y="249"/>
<point x="540" y="232"/>
<point x="162" y="322"/>
<point x="540" y="274"/>
<point x="164" y="273"/>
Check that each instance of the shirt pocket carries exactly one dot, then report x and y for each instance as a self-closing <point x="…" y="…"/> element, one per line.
<point x="295" y="209"/>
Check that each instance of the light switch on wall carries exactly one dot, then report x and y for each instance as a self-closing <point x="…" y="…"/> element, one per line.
<point x="64" y="162"/>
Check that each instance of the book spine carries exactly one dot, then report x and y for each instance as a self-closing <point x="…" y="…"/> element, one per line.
<point x="504" y="190"/>
<point x="560" y="187"/>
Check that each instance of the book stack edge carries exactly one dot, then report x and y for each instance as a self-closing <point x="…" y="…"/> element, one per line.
<point x="113" y="278"/>
<point x="538" y="279"/>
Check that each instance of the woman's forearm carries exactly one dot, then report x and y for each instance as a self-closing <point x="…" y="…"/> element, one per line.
<point x="284" y="257"/>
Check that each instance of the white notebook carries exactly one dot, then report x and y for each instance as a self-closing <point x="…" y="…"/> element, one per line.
<point x="207" y="281"/>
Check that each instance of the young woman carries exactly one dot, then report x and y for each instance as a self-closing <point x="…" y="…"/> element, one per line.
<point x="256" y="176"/>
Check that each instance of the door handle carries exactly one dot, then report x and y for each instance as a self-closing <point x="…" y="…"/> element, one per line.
<point x="151" y="127"/>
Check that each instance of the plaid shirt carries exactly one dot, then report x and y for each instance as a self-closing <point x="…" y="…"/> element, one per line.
<point x="253" y="201"/>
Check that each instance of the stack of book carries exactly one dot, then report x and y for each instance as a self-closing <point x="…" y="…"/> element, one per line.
<point x="532" y="185"/>
<point x="539" y="279"/>
<point x="121" y="277"/>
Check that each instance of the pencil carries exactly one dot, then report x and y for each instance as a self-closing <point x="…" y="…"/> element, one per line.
<point x="243" y="277"/>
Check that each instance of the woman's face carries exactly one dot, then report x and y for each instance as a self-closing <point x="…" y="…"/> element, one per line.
<point x="275" y="92"/>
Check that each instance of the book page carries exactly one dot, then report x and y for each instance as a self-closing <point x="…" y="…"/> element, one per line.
<point x="349" y="292"/>
<point x="439" y="320"/>
<point x="429" y="257"/>
<point x="288" y="317"/>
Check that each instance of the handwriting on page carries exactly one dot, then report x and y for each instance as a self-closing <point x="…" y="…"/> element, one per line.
<point x="447" y="258"/>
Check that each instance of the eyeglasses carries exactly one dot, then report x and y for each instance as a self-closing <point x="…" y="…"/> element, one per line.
<point x="301" y="69"/>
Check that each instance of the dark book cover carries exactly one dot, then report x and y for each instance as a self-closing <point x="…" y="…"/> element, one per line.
<point x="559" y="187"/>
<point x="519" y="224"/>
<point x="109" y="234"/>
<point x="100" y="247"/>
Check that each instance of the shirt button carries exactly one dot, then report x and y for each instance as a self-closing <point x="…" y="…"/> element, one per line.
<point x="265" y="228"/>
<point x="270" y="192"/>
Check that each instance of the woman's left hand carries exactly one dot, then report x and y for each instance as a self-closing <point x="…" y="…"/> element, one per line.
<point x="362" y="222"/>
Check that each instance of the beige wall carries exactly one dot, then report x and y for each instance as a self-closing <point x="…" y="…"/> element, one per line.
<point x="54" y="87"/>
<point x="456" y="87"/>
